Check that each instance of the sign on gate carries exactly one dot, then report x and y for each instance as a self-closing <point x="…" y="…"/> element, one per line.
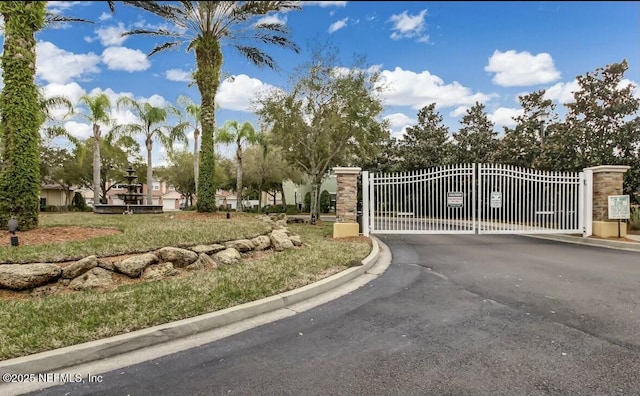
<point x="455" y="199"/>
<point x="619" y="207"/>
<point x="496" y="199"/>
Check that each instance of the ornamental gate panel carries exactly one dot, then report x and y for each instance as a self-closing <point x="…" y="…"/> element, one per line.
<point x="473" y="198"/>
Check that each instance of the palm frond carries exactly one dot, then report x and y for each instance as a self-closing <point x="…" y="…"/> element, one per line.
<point x="257" y="57"/>
<point x="53" y="20"/>
<point x="163" y="47"/>
<point x="157" y="32"/>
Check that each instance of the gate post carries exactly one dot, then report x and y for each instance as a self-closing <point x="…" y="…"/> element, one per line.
<point x="607" y="180"/>
<point x="346" y="202"/>
<point x="365" y="203"/>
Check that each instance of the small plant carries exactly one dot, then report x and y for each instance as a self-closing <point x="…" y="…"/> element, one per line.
<point x="325" y="201"/>
<point x="634" y="219"/>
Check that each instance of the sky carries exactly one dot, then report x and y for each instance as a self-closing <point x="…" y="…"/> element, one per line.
<point x="449" y="53"/>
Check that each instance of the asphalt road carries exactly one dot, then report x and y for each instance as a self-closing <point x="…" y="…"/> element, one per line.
<point x="453" y="315"/>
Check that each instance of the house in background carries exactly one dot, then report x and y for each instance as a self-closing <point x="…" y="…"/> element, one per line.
<point x="295" y="193"/>
<point x="54" y="195"/>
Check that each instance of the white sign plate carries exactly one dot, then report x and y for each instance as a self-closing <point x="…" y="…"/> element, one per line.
<point x="619" y="207"/>
<point x="496" y="199"/>
<point x="455" y="199"/>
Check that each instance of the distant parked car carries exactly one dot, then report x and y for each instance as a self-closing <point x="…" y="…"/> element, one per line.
<point x="182" y="205"/>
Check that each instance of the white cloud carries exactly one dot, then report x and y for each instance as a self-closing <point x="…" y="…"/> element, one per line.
<point x="58" y="6"/>
<point x="504" y="116"/>
<point x="635" y="90"/>
<point x="178" y="75"/>
<point x="127" y="59"/>
<point x="273" y="18"/>
<point x="459" y="111"/>
<point x="397" y="120"/>
<point x="562" y="92"/>
<point x="80" y="130"/>
<point x="517" y="69"/>
<point x="155" y="100"/>
<point x="325" y="4"/>
<point x="72" y="91"/>
<point x="104" y="16"/>
<point x="338" y="25"/>
<point x="409" y="26"/>
<point x="408" y="88"/>
<point x="112" y="35"/>
<point x="237" y="93"/>
<point x="56" y="65"/>
<point x="398" y="123"/>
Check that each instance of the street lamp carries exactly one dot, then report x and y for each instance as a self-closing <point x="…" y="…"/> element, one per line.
<point x="13" y="227"/>
<point x="542" y="116"/>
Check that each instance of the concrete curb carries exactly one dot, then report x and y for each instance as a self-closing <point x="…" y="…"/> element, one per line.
<point x="629" y="246"/>
<point x="61" y="358"/>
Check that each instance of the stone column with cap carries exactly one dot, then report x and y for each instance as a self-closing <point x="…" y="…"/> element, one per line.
<point x="607" y="180"/>
<point x="346" y="202"/>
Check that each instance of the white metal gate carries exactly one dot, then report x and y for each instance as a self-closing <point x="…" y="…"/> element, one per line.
<point x="474" y="198"/>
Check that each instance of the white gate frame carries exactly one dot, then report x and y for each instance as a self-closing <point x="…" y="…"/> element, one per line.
<point x="562" y="199"/>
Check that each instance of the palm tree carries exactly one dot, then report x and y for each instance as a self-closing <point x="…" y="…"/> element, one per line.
<point x="99" y="109"/>
<point x="206" y="27"/>
<point x="195" y="111"/>
<point x="240" y="134"/>
<point x="151" y="125"/>
<point x="21" y="115"/>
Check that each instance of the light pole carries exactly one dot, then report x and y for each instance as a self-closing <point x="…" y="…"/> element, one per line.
<point x="542" y="116"/>
<point x="13" y="227"/>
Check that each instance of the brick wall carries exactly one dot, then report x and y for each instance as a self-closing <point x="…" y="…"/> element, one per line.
<point x="346" y="193"/>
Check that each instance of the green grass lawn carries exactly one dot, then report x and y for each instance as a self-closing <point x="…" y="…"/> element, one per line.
<point x="140" y="233"/>
<point x="37" y="324"/>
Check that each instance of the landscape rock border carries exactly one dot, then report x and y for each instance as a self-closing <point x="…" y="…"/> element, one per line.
<point x="94" y="273"/>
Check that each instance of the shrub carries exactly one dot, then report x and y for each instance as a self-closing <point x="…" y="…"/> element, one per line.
<point x="634" y="219"/>
<point x="325" y="201"/>
<point x="292" y="210"/>
<point x="307" y="201"/>
<point x="79" y="202"/>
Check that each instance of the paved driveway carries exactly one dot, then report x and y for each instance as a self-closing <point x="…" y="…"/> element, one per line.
<point x="453" y="315"/>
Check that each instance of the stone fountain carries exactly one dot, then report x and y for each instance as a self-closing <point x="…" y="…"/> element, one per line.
<point x="132" y="199"/>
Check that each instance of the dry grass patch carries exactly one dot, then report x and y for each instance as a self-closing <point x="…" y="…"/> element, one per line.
<point x="39" y="324"/>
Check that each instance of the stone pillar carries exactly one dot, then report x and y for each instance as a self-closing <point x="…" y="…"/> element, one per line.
<point x="607" y="180"/>
<point x="346" y="202"/>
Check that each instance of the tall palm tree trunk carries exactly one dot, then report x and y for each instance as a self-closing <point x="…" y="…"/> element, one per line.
<point x="196" y="135"/>
<point x="239" y="177"/>
<point x="207" y="77"/>
<point x="21" y="114"/>
<point x="149" y="172"/>
<point x="96" y="164"/>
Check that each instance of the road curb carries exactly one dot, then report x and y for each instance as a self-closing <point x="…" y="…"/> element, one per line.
<point x="61" y="358"/>
<point x="629" y="246"/>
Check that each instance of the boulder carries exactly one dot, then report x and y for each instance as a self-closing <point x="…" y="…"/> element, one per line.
<point x="133" y="266"/>
<point x="27" y="276"/>
<point x="296" y="240"/>
<point x="159" y="271"/>
<point x="93" y="279"/>
<point x="280" y="241"/>
<point x="179" y="257"/>
<point x="261" y="242"/>
<point x="203" y="262"/>
<point x="227" y="256"/>
<point x="79" y="267"/>
<point x="241" y="245"/>
<point x="280" y="224"/>
<point x="208" y="249"/>
<point x="108" y="265"/>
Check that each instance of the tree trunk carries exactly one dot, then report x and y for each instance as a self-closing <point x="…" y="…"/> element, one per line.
<point x="21" y="115"/>
<point x="96" y="164"/>
<point x="196" y="135"/>
<point x="207" y="77"/>
<point x="315" y="187"/>
<point x="149" y="143"/>
<point x="260" y="198"/>
<point x="239" y="177"/>
<point x="284" y="197"/>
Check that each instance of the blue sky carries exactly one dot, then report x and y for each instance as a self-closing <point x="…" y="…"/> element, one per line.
<point x="450" y="53"/>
